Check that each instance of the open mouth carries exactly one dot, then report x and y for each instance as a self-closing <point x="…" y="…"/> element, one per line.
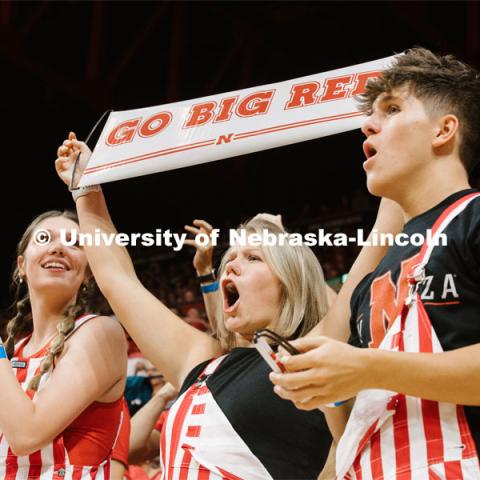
<point x="55" y="266"/>
<point x="369" y="150"/>
<point x="230" y="295"/>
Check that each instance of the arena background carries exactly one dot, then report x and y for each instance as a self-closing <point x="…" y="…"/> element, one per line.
<point x="64" y="63"/>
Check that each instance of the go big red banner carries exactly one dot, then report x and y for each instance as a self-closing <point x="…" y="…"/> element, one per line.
<point x="148" y="140"/>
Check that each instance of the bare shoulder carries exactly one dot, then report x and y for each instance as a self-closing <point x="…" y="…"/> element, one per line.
<point x="102" y="331"/>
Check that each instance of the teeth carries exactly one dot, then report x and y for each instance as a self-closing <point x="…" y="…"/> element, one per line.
<point x="54" y="265"/>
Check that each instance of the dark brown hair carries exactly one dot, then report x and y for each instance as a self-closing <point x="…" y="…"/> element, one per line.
<point x="444" y="84"/>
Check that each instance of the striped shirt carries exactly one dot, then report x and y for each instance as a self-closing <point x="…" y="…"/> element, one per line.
<point x="396" y="436"/>
<point x="52" y="462"/>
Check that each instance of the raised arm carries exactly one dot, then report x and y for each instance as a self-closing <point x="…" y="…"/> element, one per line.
<point x="336" y="323"/>
<point x="203" y="264"/>
<point x="172" y="346"/>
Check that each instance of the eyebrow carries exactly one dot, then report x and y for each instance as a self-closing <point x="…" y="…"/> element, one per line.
<point x="388" y="98"/>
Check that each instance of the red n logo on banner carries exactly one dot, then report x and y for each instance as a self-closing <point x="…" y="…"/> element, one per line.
<point x="224" y="139"/>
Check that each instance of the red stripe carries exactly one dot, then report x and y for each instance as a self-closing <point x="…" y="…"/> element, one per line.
<point x="430" y="409"/>
<point x="11" y="466"/>
<point x="376" y="457"/>
<point x="202" y="390"/>
<point x="203" y="473"/>
<point x="185" y="467"/>
<point x="93" y="474"/>
<point x="194" y="431"/>
<point x="366" y="438"/>
<point x="199" y="409"/>
<point x="470" y="450"/>
<point x="228" y="475"/>
<point x="401" y="438"/>
<point x="288" y="126"/>
<point x="442" y="217"/>
<point x="163" y="453"/>
<point x="149" y="156"/>
<point x="77" y="473"/>
<point x="433" y="431"/>
<point x="35" y="468"/>
<point x="58" y="452"/>
<point x="357" y="468"/>
<point x="433" y="475"/>
<point x="146" y="155"/>
<point x="179" y="420"/>
<point x="453" y="470"/>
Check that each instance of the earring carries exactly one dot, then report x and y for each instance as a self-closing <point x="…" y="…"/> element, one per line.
<point x="20" y="281"/>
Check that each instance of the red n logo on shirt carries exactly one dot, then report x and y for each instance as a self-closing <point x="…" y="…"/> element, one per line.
<point x="386" y="300"/>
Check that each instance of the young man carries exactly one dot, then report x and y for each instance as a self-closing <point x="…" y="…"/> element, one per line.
<point x="419" y="310"/>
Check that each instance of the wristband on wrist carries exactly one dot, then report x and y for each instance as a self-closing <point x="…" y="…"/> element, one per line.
<point x="210" y="287"/>
<point x="209" y="277"/>
<point x="3" y="353"/>
<point x="81" y="191"/>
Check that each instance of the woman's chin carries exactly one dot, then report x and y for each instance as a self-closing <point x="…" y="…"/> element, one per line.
<point x="233" y="324"/>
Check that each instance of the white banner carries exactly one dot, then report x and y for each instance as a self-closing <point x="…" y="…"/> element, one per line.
<point x="154" y="139"/>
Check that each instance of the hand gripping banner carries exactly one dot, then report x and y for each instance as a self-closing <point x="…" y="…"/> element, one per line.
<point x="155" y="139"/>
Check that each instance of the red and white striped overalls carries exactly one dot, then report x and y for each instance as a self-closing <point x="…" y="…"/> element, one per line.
<point x="51" y="462"/>
<point x="199" y="443"/>
<point x="395" y="436"/>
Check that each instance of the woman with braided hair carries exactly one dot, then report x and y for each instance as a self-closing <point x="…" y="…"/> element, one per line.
<point x="62" y="395"/>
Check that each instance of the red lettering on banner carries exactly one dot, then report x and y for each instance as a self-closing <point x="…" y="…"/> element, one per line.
<point x="256" y="103"/>
<point x="335" y="88"/>
<point x="200" y="114"/>
<point x="386" y="300"/>
<point x="361" y="80"/>
<point x="303" y="94"/>
<point x="226" y="107"/>
<point x="224" y="139"/>
<point x="123" y="133"/>
<point x="155" y="124"/>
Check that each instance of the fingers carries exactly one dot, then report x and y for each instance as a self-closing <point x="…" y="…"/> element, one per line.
<point x="203" y="224"/>
<point x="295" y="380"/>
<point x="191" y="242"/>
<point x="306" y="344"/>
<point x="191" y="229"/>
<point x="295" y="363"/>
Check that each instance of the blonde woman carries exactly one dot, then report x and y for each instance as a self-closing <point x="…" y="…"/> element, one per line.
<point x="61" y="401"/>
<point x="227" y="422"/>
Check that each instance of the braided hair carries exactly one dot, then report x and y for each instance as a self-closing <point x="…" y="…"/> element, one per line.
<point x="21" y="322"/>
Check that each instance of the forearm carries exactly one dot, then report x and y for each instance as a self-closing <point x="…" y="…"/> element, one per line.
<point x="142" y="425"/>
<point x="451" y="377"/>
<point x="158" y="332"/>
<point x="24" y="429"/>
<point x="213" y="305"/>
<point x="336" y="323"/>
<point x="107" y="262"/>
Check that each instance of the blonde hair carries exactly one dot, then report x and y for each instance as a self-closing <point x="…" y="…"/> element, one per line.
<point x="303" y="288"/>
<point x="21" y="322"/>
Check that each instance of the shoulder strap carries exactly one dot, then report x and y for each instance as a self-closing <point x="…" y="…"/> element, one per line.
<point x="79" y="322"/>
<point x="439" y="226"/>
